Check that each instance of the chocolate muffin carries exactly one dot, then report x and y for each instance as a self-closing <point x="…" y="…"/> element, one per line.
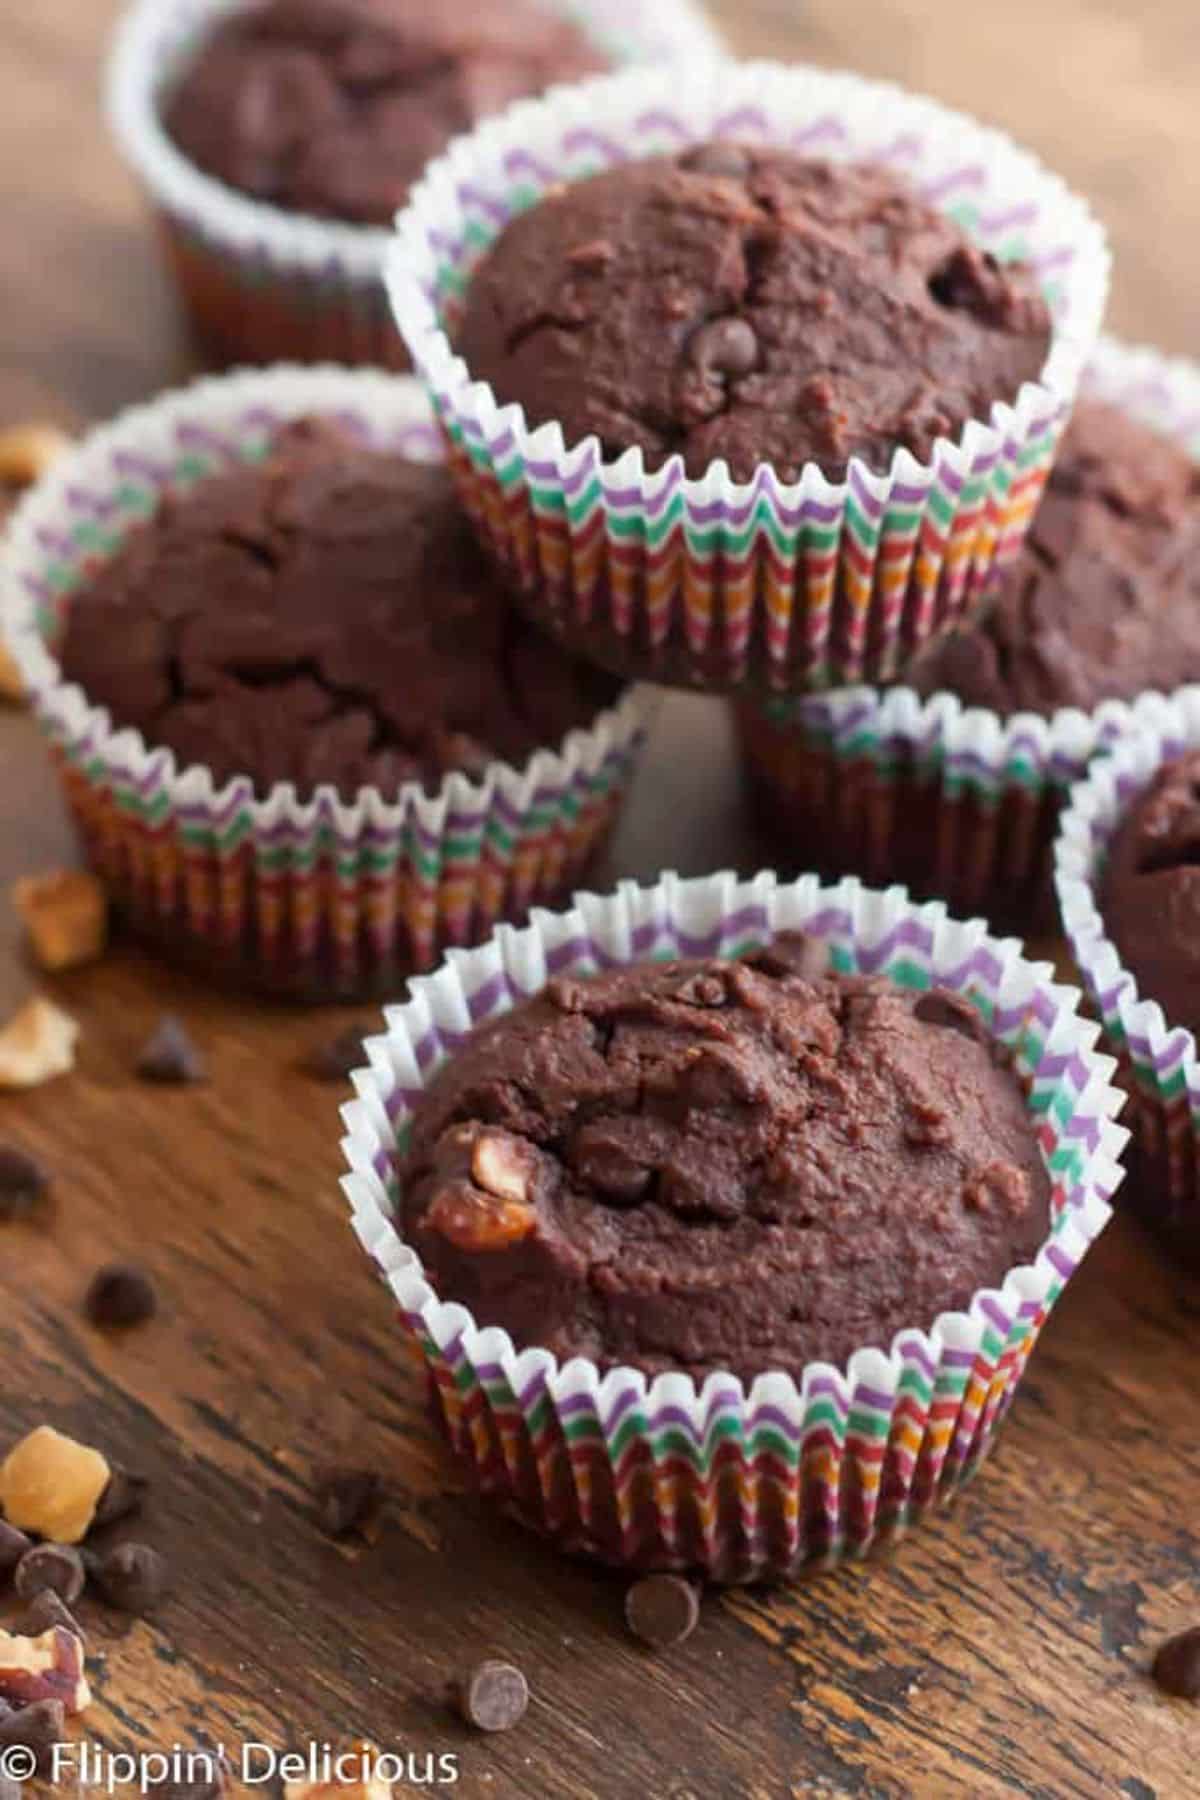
<point x="1150" y="893"/>
<point x="333" y="107"/>
<point x="1103" y="602"/>
<point x="321" y="617"/>
<point x="723" y="1165"/>
<point x="752" y="305"/>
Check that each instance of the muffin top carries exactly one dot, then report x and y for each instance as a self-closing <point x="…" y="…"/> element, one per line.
<point x="1103" y="601"/>
<point x="753" y="305"/>
<point x="333" y="107"/>
<point x="322" y="616"/>
<point x="740" y="1165"/>
<point x="1150" y="892"/>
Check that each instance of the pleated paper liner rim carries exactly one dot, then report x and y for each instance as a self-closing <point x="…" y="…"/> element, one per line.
<point x="1070" y="1094"/>
<point x="504" y="166"/>
<point x="122" y="467"/>
<point x="978" y="749"/>
<point x="1162" y="1057"/>
<point x="153" y="40"/>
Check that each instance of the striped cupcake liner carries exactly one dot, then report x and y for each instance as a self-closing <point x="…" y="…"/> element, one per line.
<point x="789" y="1473"/>
<point x="785" y="587"/>
<point x="263" y="285"/>
<point x="314" y="896"/>
<point x="1158" y="1062"/>
<point x="957" y="802"/>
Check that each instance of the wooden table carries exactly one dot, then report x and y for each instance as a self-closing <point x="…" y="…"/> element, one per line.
<point x="1004" y="1649"/>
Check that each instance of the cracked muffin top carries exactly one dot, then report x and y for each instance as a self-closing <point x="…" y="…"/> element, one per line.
<point x="1150" y="892"/>
<point x="1103" y="601"/>
<point x="333" y="107"/>
<point x="321" y="617"/>
<point x="723" y="1165"/>
<point x="750" y="305"/>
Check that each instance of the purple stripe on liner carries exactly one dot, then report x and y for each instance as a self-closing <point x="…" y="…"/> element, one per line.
<point x="33" y="584"/>
<point x="969" y="175"/>
<point x="904" y="148"/>
<point x="1052" y="259"/>
<point x="658" y="120"/>
<point x="878" y="1399"/>
<point x="1024" y="214"/>
<point x="996" y="1315"/>
<point x="742" y="118"/>
<point x="131" y="462"/>
<point x="826" y="129"/>
<point x="470" y="195"/>
<point x="584" y="138"/>
<point x="199" y="437"/>
<point x="58" y="542"/>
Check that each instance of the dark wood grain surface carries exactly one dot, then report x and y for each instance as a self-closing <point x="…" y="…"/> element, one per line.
<point x="1004" y="1649"/>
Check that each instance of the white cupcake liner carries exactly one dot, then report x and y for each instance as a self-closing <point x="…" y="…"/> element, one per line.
<point x="784" y="586"/>
<point x="740" y="1483"/>
<point x="1158" y="1061"/>
<point x="313" y="895"/>
<point x="956" y="801"/>
<point x="262" y="283"/>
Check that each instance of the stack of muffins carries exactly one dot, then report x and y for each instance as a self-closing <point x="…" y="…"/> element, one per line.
<point x="724" y="1216"/>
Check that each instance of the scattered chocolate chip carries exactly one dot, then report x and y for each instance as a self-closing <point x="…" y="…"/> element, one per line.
<point x="662" y="1610"/>
<point x="123" y="1496"/>
<point x="338" y="1057"/>
<point x="493" y="1697"/>
<point x="120" y="1295"/>
<point x="37" y="1727"/>
<point x="716" y="158"/>
<point x="1176" y="1666"/>
<point x="726" y="346"/>
<point x="13" y="1546"/>
<point x="55" y="1566"/>
<point x="46" y="1611"/>
<point x="346" y="1498"/>
<point x="169" y="1055"/>
<point x="23" y="1182"/>
<point x="941" y="1006"/>
<point x="132" y="1577"/>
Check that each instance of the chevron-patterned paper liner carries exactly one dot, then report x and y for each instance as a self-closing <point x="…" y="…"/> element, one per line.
<point x="956" y="802"/>
<point x="265" y="285"/>
<point x="1158" y="1060"/>
<point x="789" y="1473"/>
<point x="313" y="896"/>
<point x="785" y="587"/>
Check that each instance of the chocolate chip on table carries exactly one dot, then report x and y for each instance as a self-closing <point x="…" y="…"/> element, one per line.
<point x="46" y="1611"/>
<point x="131" y="1576"/>
<point x="493" y="1696"/>
<point x="119" y="1296"/>
<point x="346" y="1498"/>
<point x="169" y="1055"/>
<point x="23" y="1182"/>
<point x="662" y="1610"/>
<point x="1176" y="1666"/>
<point x="123" y="1496"/>
<point x="13" y="1546"/>
<point x="37" y="1727"/>
<point x="337" y="1058"/>
<point x="58" y="1567"/>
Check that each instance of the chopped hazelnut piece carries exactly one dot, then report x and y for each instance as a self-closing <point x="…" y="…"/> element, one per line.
<point x="49" y="1667"/>
<point x="50" y="1485"/>
<point x="37" y="1043"/>
<point x="501" y="1166"/>
<point x="474" y="1220"/>
<point x="65" y="913"/>
<point x="28" y="451"/>
<point x="12" y="682"/>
